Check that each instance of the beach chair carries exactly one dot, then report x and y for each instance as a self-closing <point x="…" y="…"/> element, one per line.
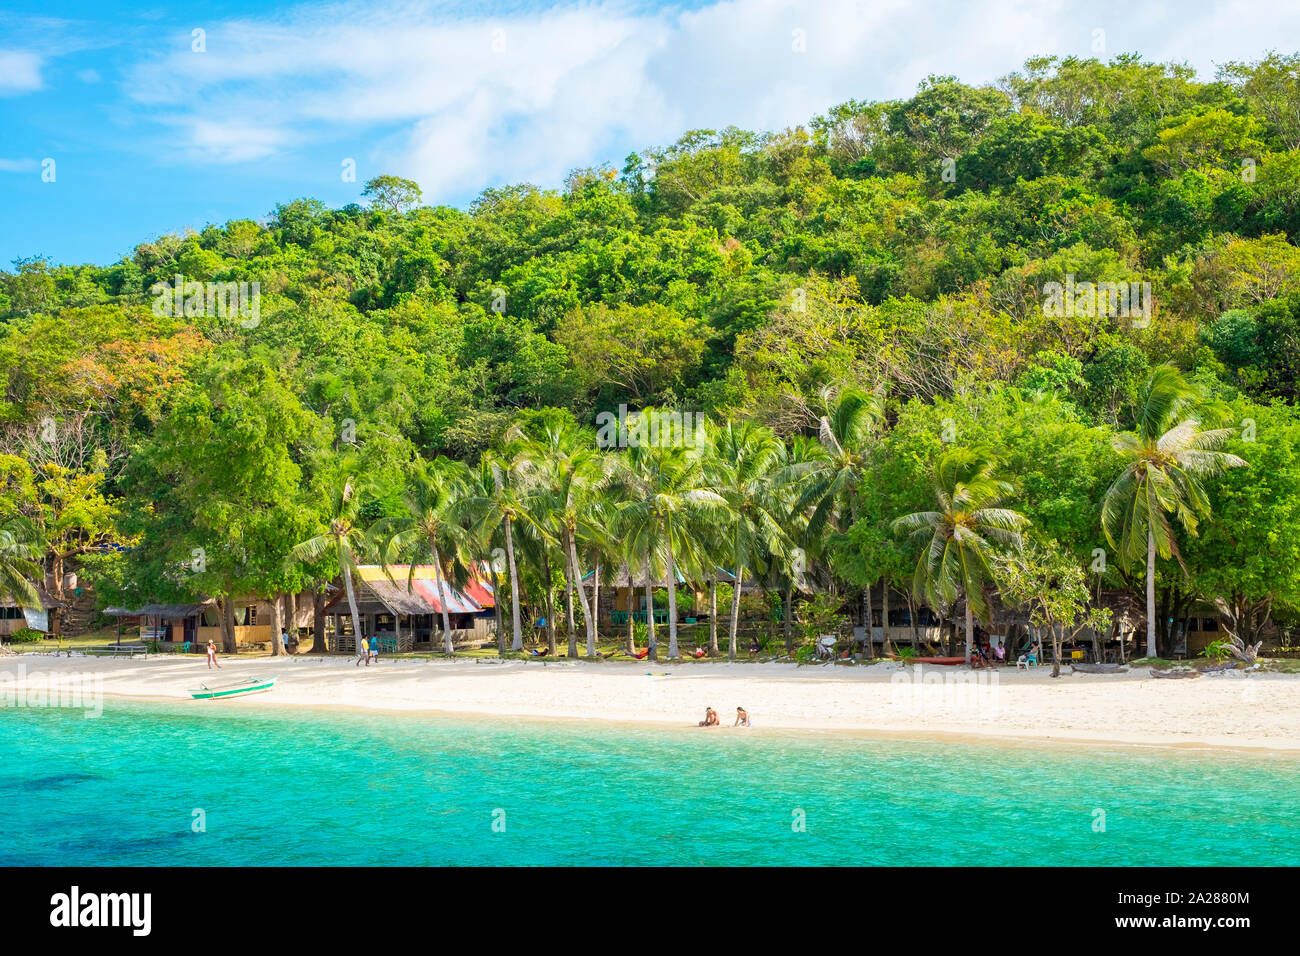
<point x="1026" y="661"/>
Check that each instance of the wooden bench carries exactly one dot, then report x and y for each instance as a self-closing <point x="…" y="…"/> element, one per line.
<point x="116" y="649"/>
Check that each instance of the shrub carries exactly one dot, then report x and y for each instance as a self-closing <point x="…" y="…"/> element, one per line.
<point x="26" y="635"/>
<point x="1217" y="650"/>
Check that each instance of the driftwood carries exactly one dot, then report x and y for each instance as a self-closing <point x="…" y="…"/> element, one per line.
<point x="1174" y="673"/>
<point x="1100" y="668"/>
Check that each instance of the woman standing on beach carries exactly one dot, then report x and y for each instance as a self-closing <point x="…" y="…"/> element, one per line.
<point x="212" y="656"/>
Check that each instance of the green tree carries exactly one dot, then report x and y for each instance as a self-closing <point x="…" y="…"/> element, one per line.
<point x="344" y="539"/>
<point x="393" y="193"/>
<point x="429" y="532"/>
<point x="961" y="537"/>
<point x="1167" y="456"/>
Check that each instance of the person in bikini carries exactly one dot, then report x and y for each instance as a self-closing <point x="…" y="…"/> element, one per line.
<point x="742" y="717"/>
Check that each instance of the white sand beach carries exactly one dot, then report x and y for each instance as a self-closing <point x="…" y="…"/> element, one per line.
<point x="1231" y="710"/>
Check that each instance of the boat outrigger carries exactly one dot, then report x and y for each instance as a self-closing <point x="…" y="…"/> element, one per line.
<point x="234" y="688"/>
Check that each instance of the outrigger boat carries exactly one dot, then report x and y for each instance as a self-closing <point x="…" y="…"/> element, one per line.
<point x="234" y="688"/>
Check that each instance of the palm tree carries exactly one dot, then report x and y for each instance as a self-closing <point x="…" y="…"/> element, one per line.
<point x="429" y="531"/>
<point x="847" y="434"/>
<point x="493" y="504"/>
<point x="744" y="460"/>
<point x="563" y="470"/>
<point x="1167" y="455"/>
<point x="670" y="499"/>
<point x="18" y="563"/>
<point x="345" y="539"/>
<point x="961" y="535"/>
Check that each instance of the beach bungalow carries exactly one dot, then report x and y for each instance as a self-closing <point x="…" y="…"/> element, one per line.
<point x="410" y="618"/>
<point x="14" y="617"/>
<point x="200" y="621"/>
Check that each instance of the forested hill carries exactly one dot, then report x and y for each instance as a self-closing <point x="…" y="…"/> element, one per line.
<point x="906" y="247"/>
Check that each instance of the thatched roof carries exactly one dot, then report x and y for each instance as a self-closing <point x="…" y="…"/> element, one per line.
<point x="168" y="611"/>
<point x="411" y="594"/>
<point x="48" y="600"/>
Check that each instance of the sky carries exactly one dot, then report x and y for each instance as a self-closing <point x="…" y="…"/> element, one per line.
<point x="120" y="123"/>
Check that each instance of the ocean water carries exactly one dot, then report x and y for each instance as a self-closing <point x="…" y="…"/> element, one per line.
<point x="231" y="784"/>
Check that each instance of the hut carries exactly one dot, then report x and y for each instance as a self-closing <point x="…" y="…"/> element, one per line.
<point x="402" y="607"/>
<point x="15" y="617"/>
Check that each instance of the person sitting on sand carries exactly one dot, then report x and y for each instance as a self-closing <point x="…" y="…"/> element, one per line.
<point x="753" y="645"/>
<point x="1000" y="651"/>
<point x="742" y="717"/>
<point x="710" y="718"/>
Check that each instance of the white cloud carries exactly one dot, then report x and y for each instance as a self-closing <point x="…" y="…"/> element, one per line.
<point x="20" y="72"/>
<point x="17" y="165"/>
<point x="88" y="76"/>
<point x="579" y="84"/>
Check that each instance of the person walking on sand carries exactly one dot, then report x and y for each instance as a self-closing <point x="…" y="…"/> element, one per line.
<point x="742" y="717"/>
<point x="212" y="656"/>
<point x="363" y="652"/>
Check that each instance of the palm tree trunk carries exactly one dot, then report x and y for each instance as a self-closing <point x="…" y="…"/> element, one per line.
<point x="884" y="616"/>
<point x="500" y="618"/>
<point x="352" y="606"/>
<point x="866" y="622"/>
<point x="593" y="636"/>
<point x="734" y="623"/>
<point x="443" y="595"/>
<point x="631" y="624"/>
<point x="590" y="617"/>
<point x="650" y="617"/>
<point x="912" y="612"/>
<point x="713" y="615"/>
<point x="970" y="629"/>
<point x="1151" y="592"/>
<point x="568" y="595"/>
<point x="1057" y="632"/>
<point x="672" y="600"/>
<point x="787" y="611"/>
<point x="318" y="622"/>
<point x="517" y="636"/>
<point x="228" y="625"/>
<point x="277" y="625"/>
<point x="548" y="600"/>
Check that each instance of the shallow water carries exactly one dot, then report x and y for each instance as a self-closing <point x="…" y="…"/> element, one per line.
<point x="272" y="787"/>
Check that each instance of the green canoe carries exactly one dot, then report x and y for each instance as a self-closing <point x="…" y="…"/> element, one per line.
<point x="250" y="685"/>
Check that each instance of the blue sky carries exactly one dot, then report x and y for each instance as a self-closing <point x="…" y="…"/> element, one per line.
<point x="150" y="135"/>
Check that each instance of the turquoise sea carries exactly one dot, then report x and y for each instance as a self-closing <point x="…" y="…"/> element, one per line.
<point x="274" y="787"/>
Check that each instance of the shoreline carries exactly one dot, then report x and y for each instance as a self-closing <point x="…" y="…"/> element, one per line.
<point x="1259" y="713"/>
